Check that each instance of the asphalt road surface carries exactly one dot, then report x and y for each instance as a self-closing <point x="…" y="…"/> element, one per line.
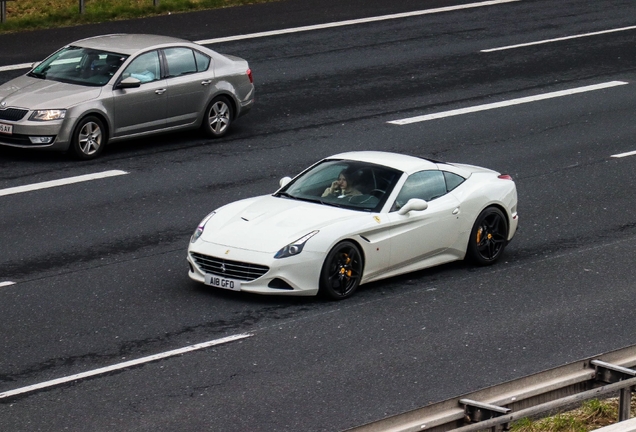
<point x="93" y="274"/>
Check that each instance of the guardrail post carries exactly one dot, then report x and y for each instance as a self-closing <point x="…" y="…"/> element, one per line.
<point x="610" y="373"/>
<point x="3" y="11"/>
<point x="81" y="6"/>
<point x="624" y="403"/>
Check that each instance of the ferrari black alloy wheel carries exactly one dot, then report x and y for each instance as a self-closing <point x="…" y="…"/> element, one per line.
<point x="342" y="271"/>
<point x="488" y="237"/>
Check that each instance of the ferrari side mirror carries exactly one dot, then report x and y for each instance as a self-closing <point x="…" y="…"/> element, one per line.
<point x="413" y="204"/>
<point x="282" y="182"/>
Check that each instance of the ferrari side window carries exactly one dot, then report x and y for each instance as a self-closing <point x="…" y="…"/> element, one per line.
<point x="452" y="180"/>
<point x="426" y="185"/>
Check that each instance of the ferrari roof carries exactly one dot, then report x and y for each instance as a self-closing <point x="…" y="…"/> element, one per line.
<point x="405" y="163"/>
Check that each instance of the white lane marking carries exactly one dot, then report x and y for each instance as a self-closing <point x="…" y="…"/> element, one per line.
<point x="621" y="155"/>
<point x="6" y="283"/>
<point x="352" y="22"/>
<point x="123" y="365"/>
<point x="61" y="182"/>
<point x="16" y="67"/>
<point x="545" y="41"/>
<point x="510" y="102"/>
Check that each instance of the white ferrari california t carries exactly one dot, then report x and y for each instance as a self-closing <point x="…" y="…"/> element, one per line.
<point x="354" y="218"/>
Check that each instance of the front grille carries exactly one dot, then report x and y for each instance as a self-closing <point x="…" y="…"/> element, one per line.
<point x="229" y="269"/>
<point x="12" y="114"/>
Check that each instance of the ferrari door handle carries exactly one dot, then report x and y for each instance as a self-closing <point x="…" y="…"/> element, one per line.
<point x="456" y="211"/>
<point x="206" y="82"/>
<point x="160" y="91"/>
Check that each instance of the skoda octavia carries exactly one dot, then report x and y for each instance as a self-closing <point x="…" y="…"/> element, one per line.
<point x="120" y="86"/>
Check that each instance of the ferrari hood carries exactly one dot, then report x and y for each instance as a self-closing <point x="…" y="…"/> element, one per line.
<point x="268" y="223"/>
<point x="34" y="93"/>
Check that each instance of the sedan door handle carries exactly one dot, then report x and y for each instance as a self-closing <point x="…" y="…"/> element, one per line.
<point x="456" y="211"/>
<point x="206" y="82"/>
<point x="160" y="91"/>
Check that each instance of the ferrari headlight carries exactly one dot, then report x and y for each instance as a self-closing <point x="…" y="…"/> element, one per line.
<point x="48" y="115"/>
<point x="296" y="247"/>
<point x="201" y="227"/>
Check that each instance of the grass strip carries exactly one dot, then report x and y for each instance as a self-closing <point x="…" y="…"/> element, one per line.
<point x="24" y="15"/>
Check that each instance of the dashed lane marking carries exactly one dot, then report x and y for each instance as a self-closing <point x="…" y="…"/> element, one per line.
<point x="123" y="365"/>
<point x="545" y="41"/>
<point x="61" y="182"/>
<point x="506" y="103"/>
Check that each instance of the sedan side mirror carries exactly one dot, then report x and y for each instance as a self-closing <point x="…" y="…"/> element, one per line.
<point x="413" y="204"/>
<point x="129" y="82"/>
<point x="282" y="182"/>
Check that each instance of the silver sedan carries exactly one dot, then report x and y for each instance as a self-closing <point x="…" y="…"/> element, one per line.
<point x="121" y="86"/>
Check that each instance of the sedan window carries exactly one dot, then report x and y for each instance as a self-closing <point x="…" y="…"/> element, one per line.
<point x="180" y="61"/>
<point x="203" y="61"/>
<point x="145" y="68"/>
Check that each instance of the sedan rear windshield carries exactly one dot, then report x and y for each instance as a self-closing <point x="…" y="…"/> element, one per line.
<point x="82" y="66"/>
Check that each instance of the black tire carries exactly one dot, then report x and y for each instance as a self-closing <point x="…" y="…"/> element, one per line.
<point x="341" y="272"/>
<point x="489" y="237"/>
<point x="218" y="117"/>
<point x="89" y="138"/>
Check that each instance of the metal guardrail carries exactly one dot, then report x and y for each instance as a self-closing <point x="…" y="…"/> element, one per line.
<point x="532" y="396"/>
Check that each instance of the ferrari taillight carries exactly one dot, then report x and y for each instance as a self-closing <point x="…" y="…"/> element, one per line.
<point x="505" y="177"/>
<point x="249" y="75"/>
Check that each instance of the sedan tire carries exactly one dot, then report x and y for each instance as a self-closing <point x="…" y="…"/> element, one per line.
<point x="89" y="138"/>
<point x="218" y="117"/>
<point x="489" y="237"/>
<point x="341" y="272"/>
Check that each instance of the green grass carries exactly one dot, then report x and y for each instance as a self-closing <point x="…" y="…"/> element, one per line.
<point x="40" y="14"/>
<point x="593" y="414"/>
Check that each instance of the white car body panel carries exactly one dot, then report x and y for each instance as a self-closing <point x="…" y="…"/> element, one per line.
<point x="253" y="230"/>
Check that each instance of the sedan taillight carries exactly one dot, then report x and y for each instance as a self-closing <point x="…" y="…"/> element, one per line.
<point x="249" y="75"/>
<point x="505" y="177"/>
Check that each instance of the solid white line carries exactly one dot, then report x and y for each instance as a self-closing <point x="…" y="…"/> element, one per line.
<point x="621" y="155"/>
<point x="16" y="67"/>
<point x="510" y="102"/>
<point x="352" y="22"/>
<point x="559" y="39"/>
<point x="7" y="283"/>
<point x="123" y="365"/>
<point x="60" y="182"/>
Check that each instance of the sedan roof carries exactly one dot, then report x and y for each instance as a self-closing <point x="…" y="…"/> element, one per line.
<point x="127" y="43"/>
<point x="405" y="163"/>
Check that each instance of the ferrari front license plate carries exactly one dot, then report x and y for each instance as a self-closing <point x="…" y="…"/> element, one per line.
<point x="6" y="129"/>
<point x="221" y="282"/>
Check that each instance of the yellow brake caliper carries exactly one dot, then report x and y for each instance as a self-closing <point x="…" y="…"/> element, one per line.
<point x="344" y="271"/>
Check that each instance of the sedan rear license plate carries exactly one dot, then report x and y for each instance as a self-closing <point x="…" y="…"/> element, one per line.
<point x="221" y="282"/>
<point x="6" y="129"/>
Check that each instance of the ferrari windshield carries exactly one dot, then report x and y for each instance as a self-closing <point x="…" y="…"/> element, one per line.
<point x="82" y="66"/>
<point x="344" y="183"/>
